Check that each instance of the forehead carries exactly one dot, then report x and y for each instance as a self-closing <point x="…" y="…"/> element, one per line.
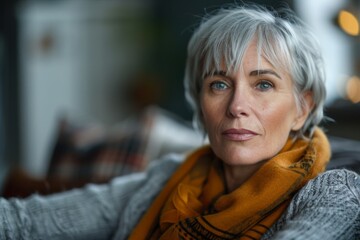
<point x="256" y="55"/>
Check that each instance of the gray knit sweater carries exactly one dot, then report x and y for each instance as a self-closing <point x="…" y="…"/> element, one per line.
<point x="328" y="207"/>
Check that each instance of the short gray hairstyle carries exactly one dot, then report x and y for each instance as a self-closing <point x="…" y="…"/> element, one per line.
<point x="282" y="38"/>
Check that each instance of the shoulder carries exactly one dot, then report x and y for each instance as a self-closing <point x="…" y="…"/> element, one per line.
<point x="340" y="187"/>
<point x="330" y="193"/>
<point x="346" y="179"/>
<point x="337" y="176"/>
<point x="334" y="194"/>
<point x="333" y="197"/>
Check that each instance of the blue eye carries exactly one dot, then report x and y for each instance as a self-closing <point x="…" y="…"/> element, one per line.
<point x="264" y="85"/>
<point x="218" y="85"/>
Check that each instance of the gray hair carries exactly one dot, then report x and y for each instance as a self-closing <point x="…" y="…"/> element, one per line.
<point x="283" y="40"/>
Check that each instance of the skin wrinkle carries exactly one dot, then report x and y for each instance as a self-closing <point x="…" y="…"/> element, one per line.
<point x="241" y="104"/>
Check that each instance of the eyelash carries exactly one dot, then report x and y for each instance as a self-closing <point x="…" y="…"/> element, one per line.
<point x="270" y="85"/>
<point x="215" y="85"/>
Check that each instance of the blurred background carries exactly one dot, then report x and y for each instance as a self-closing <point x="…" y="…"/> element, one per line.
<point x="103" y="61"/>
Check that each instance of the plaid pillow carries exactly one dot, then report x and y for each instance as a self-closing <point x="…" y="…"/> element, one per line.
<point x="90" y="154"/>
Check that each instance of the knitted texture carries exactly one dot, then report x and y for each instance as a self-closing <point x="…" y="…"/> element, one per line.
<point x="326" y="208"/>
<point x="142" y="199"/>
<point x="93" y="212"/>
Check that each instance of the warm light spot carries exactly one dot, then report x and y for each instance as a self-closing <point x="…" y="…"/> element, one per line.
<point x="353" y="89"/>
<point x="349" y="23"/>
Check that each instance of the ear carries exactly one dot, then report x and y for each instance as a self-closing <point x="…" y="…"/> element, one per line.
<point x="304" y="112"/>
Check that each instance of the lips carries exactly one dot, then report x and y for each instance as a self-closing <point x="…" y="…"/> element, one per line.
<point x="239" y="134"/>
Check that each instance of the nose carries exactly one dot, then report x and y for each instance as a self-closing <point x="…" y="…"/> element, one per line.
<point x="238" y="105"/>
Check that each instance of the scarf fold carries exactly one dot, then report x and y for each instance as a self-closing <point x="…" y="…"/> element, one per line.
<point x="194" y="203"/>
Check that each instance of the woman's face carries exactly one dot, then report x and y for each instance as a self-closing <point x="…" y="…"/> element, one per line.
<point x="249" y="114"/>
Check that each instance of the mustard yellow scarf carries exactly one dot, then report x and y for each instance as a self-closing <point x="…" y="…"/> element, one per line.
<point x="194" y="203"/>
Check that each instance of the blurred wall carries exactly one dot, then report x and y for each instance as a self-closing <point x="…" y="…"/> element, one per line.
<point x="102" y="61"/>
<point x="9" y="108"/>
<point x="76" y="58"/>
<point x="341" y="52"/>
<point x="94" y="61"/>
<point x="336" y="47"/>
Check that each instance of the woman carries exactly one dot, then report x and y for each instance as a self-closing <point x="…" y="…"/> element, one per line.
<point x="255" y="81"/>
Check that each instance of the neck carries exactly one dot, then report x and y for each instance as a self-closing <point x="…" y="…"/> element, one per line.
<point x="235" y="176"/>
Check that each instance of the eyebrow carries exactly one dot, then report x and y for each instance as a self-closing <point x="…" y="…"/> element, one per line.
<point x="264" y="72"/>
<point x="252" y="73"/>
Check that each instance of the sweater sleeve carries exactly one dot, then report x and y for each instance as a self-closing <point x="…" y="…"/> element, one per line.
<point x="328" y="207"/>
<point x="88" y="213"/>
<point x="92" y="212"/>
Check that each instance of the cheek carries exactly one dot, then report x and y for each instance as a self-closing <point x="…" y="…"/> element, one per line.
<point x="205" y="113"/>
<point x="208" y="116"/>
<point x="209" y="108"/>
<point x="279" y="117"/>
